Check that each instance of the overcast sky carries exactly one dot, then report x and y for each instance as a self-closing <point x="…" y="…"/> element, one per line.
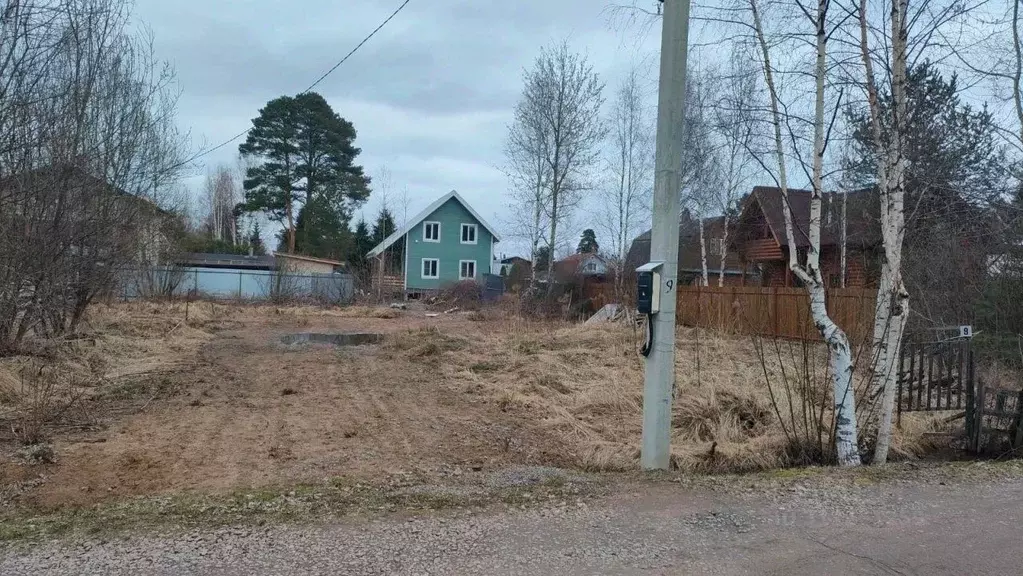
<point x="431" y="95"/>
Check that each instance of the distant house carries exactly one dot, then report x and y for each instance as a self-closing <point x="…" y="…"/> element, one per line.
<point x="760" y="239"/>
<point x="690" y="260"/>
<point x="445" y="243"/>
<point x="96" y="216"/>
<point x="504" y="267"/>
<point x="581" y="266"/>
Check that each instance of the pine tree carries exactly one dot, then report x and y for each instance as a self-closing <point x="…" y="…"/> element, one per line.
<point x="588" y="242"/>
<point x="320" y="232"/>
<point x="307" y="155"/>
<point x="270" y="185"/>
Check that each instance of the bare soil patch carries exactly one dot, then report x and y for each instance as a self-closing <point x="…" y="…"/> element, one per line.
<point x="249" y="411"/>
<point x="215" y="402"/>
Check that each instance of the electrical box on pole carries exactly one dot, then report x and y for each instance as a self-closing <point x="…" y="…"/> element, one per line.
<point x="648" y="294"/>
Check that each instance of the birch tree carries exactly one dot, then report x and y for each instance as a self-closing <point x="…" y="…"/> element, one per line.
<point x="701" y="165"/>
<point x="630" y="161"/>
<point x="220" y="196"/>
<point x="527" y="170"/>
<point x="886" y="45"/>
<point x="892" y="297"/>
<point x="734" y="128"/>
<point x="560" y="109"/>
<point x="809" y="271"/>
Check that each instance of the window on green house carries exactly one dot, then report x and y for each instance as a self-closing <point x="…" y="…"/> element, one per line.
<point x="431" y="231"/>
<point x="468" y="233"/>
<point x="466" y="269"/>
<point x="430" y="268"/>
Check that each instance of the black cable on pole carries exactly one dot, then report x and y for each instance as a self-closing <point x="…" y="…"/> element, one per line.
<point x="311" y="86"/>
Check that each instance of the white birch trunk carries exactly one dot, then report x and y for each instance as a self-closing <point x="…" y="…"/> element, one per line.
<point x="1017" y="97"/>
<point x="892" y="311"/>
<point x="724" y="254"/>
<point x="704" y="276"/>
<point x="845" y="236"/>
<point x="840" y="356"/>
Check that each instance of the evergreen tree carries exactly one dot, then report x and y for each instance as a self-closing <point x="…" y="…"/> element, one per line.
<point x="307" y="155"/>
<point x="382" y="228"/>
<point x="542" y="259"/>
<point x="384" y="225"/>
<point x="270" y="185"/>
<point x="588" y="242"/>
<point x="321" y="233"/>
<point x="362" y="243"/>
<point x="256" y="240"/>
<point x="956" y="185"/>
<point x="363" y="239"/>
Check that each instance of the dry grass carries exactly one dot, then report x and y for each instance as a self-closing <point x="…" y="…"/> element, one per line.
<point x="126" y="355"/>
<point x="585" y="384"/>
<point x="579" y="387"/>
<point x="123" y="355"/>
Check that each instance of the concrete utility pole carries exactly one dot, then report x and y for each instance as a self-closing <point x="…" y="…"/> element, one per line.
<point x="658" y="389"/>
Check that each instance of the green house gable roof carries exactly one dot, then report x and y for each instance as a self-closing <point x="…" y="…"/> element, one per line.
<point x="401" y="232"/>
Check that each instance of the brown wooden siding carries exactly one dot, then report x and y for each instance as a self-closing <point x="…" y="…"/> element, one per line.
<point x="761" y="249"/>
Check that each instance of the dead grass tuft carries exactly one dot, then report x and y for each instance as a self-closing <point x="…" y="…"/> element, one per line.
<point x="425" y="342"/>
<point x="368" y="312"/>
<point x="584" y="385"/>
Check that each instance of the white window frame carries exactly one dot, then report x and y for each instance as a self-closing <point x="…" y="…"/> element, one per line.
<point x="475" y="234"/>
<point x="422" y="268"/>
<point x="426" y="226"/>
<point x="475" y="272"/>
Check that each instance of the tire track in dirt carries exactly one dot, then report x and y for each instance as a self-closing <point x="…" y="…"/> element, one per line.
<point x="363" y="413"/>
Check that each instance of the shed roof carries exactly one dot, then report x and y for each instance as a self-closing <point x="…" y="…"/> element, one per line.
<point x="238" y="261"/>
<point x="308" y="259"/>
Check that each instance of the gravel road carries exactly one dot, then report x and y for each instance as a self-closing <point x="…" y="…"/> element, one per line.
<point x="903" y="527"/>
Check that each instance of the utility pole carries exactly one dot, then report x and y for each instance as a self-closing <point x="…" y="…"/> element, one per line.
<point x="658" y="389"/>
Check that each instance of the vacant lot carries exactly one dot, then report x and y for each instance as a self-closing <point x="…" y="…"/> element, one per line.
<point x="215" y="401"/>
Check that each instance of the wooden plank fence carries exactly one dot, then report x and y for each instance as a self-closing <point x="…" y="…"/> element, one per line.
<point x="776" y="312"/>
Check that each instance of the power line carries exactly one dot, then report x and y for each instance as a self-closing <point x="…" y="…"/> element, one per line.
<point x="354" y="50"/>
<point x="311" y="86"/>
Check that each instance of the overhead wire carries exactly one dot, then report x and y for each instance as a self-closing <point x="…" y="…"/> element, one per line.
<point x="339" y="63"/>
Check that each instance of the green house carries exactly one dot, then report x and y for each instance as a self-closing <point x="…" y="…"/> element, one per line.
<point x="446" y="243"/>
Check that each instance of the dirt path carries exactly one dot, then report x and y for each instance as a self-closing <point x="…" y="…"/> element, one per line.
<point x="253" y="412"/>
<point x="890" y="528"/>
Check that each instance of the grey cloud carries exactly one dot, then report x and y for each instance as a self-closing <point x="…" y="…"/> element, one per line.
<point x="431" y="94"/>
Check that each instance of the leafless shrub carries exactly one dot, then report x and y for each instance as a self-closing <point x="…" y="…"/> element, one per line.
<point x="87" y="149"/>
<point x="44" y="396"/>
<point x="156" y="282"/>
<point x="466" y="295"/>
<point x="281" y="286"/>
